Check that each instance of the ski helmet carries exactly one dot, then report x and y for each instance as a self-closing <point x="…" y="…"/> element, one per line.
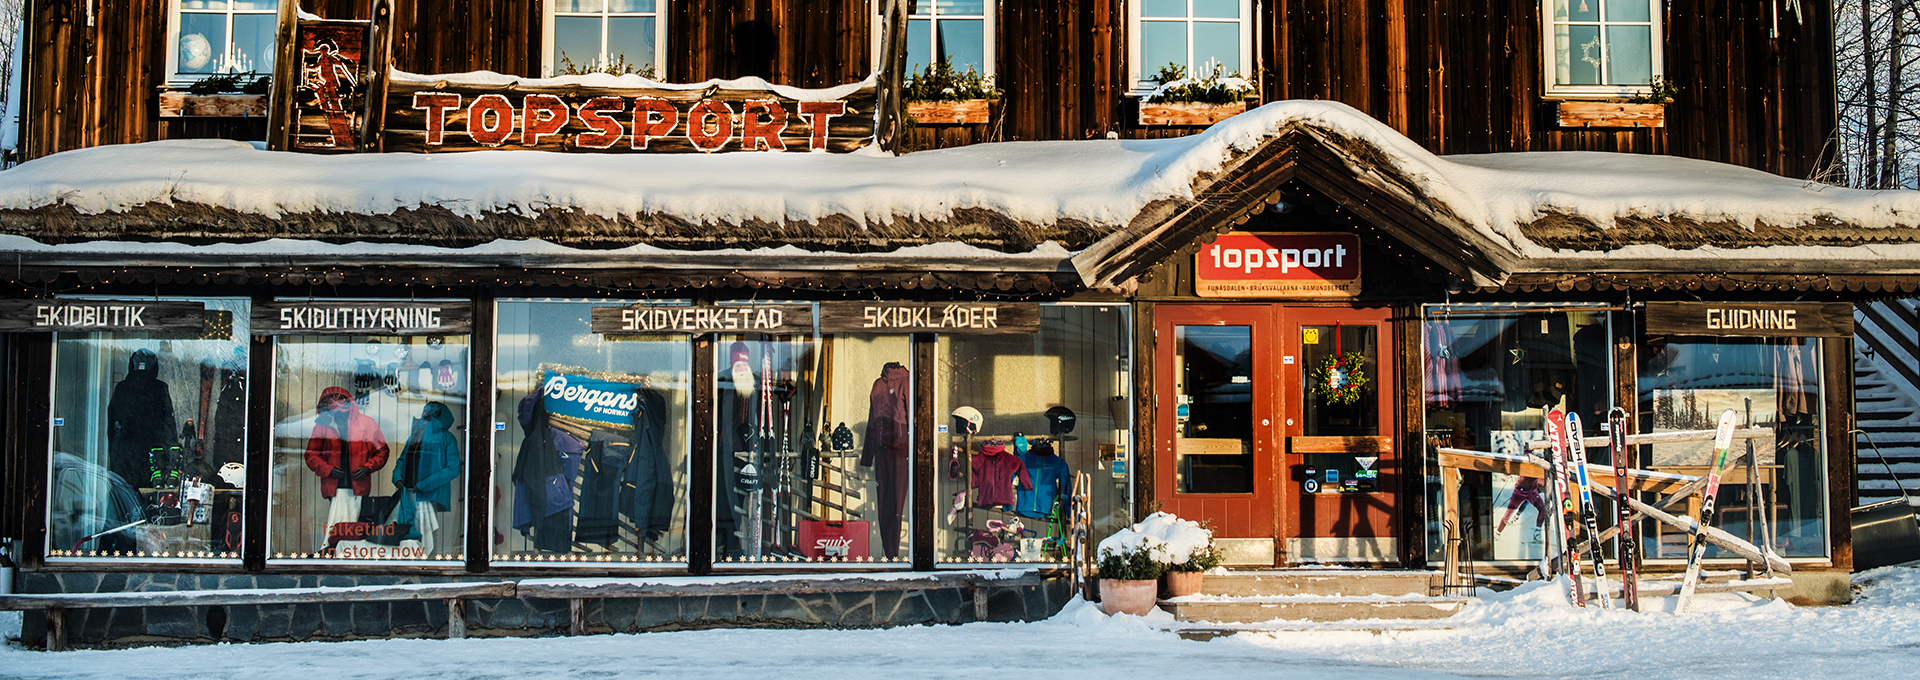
<point x="969" y="418"/>
<point x="1059" y="420"/>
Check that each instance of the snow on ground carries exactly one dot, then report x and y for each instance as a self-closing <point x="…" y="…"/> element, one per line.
<point x="1529" y="632"/>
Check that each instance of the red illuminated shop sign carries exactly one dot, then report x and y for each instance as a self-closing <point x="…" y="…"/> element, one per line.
<point x="1286" y="265"/>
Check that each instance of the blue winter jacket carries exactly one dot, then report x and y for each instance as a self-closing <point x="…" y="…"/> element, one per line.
<point x="1052" y="482"/>
<point x="439" y="453"/>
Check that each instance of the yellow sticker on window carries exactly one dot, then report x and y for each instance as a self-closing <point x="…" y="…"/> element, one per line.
<point x="1310" y="336"/>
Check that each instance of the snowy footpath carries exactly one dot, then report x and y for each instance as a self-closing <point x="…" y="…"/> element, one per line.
<point x="1527" y="633"/>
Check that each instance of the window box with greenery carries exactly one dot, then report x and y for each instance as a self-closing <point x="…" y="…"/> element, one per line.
<point x="231" y="95"/>
<point x="1647" y="110"/>
<point x="941" y="95"/>
<point x="1195" y="101"/>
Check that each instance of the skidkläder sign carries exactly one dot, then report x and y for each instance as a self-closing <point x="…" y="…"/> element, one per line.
<point x="1278" y="265"/>
<point x="426" y="115"/>
<point x="112" y="316"/>
<point x="1753" y="319"/>
<point x="834" y="317"/>
<point x="703" y="320"/>
<point x="362" y="318"/>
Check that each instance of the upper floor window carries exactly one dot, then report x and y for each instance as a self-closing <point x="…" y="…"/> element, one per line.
<point x="959" y="32"/>
<point x="222" y="36"/>
<point x="1198" y="36"/>
<point x="605" y="36"/>
<point x="1601" y="47"/>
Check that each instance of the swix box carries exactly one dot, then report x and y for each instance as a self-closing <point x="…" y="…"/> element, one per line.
<point x="823" y="539"/>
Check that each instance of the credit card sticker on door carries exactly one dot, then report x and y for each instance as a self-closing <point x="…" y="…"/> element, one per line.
<point x="1310" y="336"/>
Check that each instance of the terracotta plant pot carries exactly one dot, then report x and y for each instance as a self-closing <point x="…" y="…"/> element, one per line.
<point x="1127" y="597"/>
<point x="1184" y="583"/>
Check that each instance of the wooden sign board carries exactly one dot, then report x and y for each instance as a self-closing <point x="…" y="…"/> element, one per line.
<point x="110" y="316"/>
<point x="929" y="317"/>
<point x="1278" y="265"/>
<point x="370" y="317"/>
<point x="329" y="97"/>
<point x="1751" y="319"/>
<point x="424" y="115"/>
<point x="636" y="319"/>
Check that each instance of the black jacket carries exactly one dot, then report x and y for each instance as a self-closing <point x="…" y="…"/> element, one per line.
<point x="139" y="419"/>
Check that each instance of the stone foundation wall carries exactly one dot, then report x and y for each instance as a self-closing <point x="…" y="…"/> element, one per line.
<point x="348" y="621"/>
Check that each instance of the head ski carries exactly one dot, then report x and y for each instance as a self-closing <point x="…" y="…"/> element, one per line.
<point x="1577" y="445"/>
<point x="1627" y="544"/>
<point x="1569" y="508"/>
<point x="1697" y="547"/>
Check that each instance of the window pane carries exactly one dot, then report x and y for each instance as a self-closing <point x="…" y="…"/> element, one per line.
<point x="776" y="397"/>
<point x="1576" y="10"/>
<point x="919" y="45"/>
<point x="961" y="43"/>
<point x="1769" y="383"/>
<point x="1213" y="444"/>
<point x="1224" y="9"/>
<point x="203" y="42"/>
<point x="203" y="4"/>
<point x="1216" y="43"/>
<point x="1628" y="10"/>
<point x="253" y="42"/>
<point x="1162" y="43"/>
<point x="630" y="6"/>
<point x="255" y="5"/>
<point x="1489" y="382"/>
<point x="1629" y="55"/>
<point x="150" y="428"/>
<point x="631" y="38"/>
<point x="607" y="483"/>
<point x="960" y="7"/>
<point x="576" y="44"/>
<point x="1576" y="55"/>
<point x="1163" y="8"/>
<point x="1060" y="388"/>
<point x="369" y="447"/>
<point x="594" y="6"/>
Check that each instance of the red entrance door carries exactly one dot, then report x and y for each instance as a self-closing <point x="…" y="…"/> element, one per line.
<point x="1284" y="472"/>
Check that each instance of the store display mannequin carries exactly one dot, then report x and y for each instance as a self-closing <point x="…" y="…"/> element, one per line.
<point x="344" y="451"/>
<point x="428" y="465"/>
<point x="887" y="449"/>
<point x="139" y="420"/>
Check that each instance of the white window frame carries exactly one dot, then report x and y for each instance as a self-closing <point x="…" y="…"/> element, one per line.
<point x="549" y="62"/>
<point x="1137" y="71"/>
<point x="989" y="18"/>
<point x="1549" y="70"/>
<point x="174" y="76"/>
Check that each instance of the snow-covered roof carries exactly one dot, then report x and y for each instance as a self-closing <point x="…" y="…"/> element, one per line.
<point x="1094" y="200"/>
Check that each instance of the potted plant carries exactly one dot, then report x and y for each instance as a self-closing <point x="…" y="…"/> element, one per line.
<point x="1130" y="566"/>
<point x="1186" y="578"/>
<point x="1198" y="100"/>
<point x="1648" y="109"/>
<point x="941" y="95"/>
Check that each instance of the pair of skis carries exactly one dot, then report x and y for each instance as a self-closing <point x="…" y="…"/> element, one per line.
<point x="1570" y="469"/>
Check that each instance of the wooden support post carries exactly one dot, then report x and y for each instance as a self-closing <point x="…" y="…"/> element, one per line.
<point x="456" y="619"/>
<point x="56" y="629"/>
<point x="577" y="616"/>
<point x="979" y="602"/>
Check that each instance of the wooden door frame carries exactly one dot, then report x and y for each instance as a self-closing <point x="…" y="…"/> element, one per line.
<point x="1288" y="318"/>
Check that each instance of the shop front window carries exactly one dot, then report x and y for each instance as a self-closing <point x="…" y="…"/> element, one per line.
<point x="591" y="433"/>
<point x="223" y="36"/>
<point x="1491" y="378"/>
<point x="1028" y="414"/>
<point x="814" y="440"/>
<point x="369" y="446"/>
<point x="149" y="441"/>
<point x="1780" y="497"/>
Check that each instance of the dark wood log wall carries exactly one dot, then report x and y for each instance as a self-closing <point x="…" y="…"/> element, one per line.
<point x="1458" y="76"/>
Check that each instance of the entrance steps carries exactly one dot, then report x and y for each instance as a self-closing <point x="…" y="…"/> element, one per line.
<point x="1313" y="599"/>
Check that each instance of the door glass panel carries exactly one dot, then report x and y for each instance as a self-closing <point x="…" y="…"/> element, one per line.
<point x="1213" y="409"/>
<point x="1340" y="397"/>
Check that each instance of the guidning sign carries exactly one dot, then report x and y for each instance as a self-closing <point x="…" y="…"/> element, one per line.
<point x="1278" y="265"/>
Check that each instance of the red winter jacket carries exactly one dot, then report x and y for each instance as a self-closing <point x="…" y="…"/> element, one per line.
<point x="365" y="447"/>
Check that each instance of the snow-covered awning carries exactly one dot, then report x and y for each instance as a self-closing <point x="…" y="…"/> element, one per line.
<point x="1105" y="209"/>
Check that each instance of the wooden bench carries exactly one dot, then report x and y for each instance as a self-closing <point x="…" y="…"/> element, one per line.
<point x="575" y="591"/>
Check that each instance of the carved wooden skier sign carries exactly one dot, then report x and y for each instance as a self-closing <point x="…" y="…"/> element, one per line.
<point x="330" y="90"/>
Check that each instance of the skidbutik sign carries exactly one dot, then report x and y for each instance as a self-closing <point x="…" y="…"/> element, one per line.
<point x="1279" y="265"/>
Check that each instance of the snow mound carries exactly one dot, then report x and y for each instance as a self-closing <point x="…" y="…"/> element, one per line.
<point x="1895" y="586"/>
<point x="1087" y="616"/>
<point x="1171" y="539"/>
